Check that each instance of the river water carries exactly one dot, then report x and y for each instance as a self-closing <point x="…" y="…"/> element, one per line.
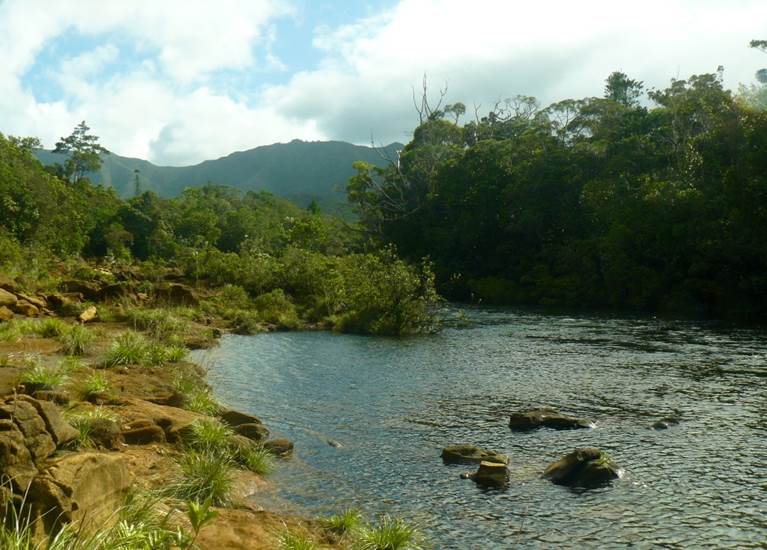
<point x="390" y="405"/>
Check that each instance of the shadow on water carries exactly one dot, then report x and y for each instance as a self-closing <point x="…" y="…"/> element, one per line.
<point x="393" y="404"/>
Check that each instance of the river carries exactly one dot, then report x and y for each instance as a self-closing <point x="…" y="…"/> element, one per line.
<point x="390" y="405"/>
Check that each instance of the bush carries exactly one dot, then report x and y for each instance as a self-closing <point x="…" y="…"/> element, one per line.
<point x="275" y="308"/>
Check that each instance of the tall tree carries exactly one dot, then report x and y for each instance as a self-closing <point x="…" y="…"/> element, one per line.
<point x="626" y="91"/>
<point x="84" y="153"/>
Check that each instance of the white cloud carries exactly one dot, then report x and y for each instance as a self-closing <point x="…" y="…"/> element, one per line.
<point x="171" y="108"/>
<point x="492" y="49"/>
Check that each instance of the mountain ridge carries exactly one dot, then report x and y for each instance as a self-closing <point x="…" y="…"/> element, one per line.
<point x="300" y="171"/>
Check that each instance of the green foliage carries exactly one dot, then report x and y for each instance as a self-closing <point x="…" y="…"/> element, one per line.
<point x="390" y="534"/>
<point x="348" y="521"/>
<point x="83" y="152"/>
<point x="209" y="434"/>
<point x="51" y="328"/>
<point x="256" y="459"/>
<point x="197" y="395"/>
<point x="203" y="475"/>
<point x="129" y="348"/>
<point x="83" y="421"/>
<point x="96" y="383"/>
<point x="159" y="324"/>
<point x="296" y="541"/>
<point x="40" y="377"/>
<point x="75" y="340"/>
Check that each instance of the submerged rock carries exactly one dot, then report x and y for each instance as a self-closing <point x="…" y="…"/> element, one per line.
<point x="522" y="421"/>
<point x="491" y="474"/>
<point x="464" y="453"/>
<point x="588" y="467"/>
<point x="665" y="423"/>
<point x="279" y="447"/>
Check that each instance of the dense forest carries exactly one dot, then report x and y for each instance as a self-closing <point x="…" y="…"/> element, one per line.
<point x="278" y="263"/>
<point x="640" y="200"/>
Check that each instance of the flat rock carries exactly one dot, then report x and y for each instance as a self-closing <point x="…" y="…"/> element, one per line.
<point x="256" y="432"/>
<point x="235" y="418"/>
<point x="22" y="307"/>
<point x="143" y="432"/>
<point x="470" y="454"/>
<point x="587" y="467"/>
<point x="523" y="421"/>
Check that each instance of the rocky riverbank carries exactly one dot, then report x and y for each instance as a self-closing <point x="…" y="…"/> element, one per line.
<point x="98" y="403"/>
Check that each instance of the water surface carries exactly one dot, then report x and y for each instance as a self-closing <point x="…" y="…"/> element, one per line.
<point x="393" y="404"/>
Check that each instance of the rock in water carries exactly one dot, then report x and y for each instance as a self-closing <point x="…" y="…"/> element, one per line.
<point x="279" y="447"/>
<point x="665" y="423"/>
<point x="469" y="454"/>
<point x="589" y="467"/>
<point x="491" y="474"/>
<point x="523" y="421"/>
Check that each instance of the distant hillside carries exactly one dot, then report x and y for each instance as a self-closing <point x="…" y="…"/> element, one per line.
<point x="299" y="171"/>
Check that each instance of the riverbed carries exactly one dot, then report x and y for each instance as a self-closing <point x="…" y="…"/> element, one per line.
<point x="369" y="417"/>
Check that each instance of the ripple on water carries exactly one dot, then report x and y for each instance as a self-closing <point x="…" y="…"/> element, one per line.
<point x="393" y="404"/>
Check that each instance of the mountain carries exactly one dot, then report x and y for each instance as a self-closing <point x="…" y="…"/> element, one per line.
<point x="300" y="171"/>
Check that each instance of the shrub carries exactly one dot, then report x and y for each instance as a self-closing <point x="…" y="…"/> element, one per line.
<point x="275" y="307"/>
<point x="76" y="340"/>
<point x="203" y="475"/>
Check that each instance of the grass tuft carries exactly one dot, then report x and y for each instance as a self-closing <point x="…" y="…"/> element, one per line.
<point x="348" y="521"/>
<point x="50" y="328"/>
<point x="296" y="541"/>
<point x="40" y="377"/>
<point x="389" y="534"/>
<point x="197" y="395"/>
<point x="96" y="383"/>
<point x="129" y="348"/>
<point x="83" y="423"/>
<point x="203" y="475"/>
<point x="76" y="340"/>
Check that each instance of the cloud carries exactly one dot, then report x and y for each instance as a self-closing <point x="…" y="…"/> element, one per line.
<point x="180" y="81"/>
<point x="488" y="50"/>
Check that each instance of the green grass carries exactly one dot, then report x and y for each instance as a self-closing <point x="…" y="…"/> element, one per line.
<point x="389" y="534"/>
<point x="209" y="434"/>
<point x="50" y="328"/>
<point x="83" y="423"/>
<point x="203" y="475"/>
<point x="348" y="521"/>
<point x="159" y="324"/>
<point x="256" y="459"/>
<point x="76" y="340"/>
<point x="15" y="329"/>
<point x="197" y="396"/>
<point x="129" y="348"/>
<point x="71" y="364"/>
<point x="296" y="541"/>
<point x="96" y="383"/>
<point x="40" y="377"/>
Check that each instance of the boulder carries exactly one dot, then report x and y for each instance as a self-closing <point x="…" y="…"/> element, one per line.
<point x="39" y="303"/>
<point x="105" y="434"/>
<point x="16" y="462"/>
<point x="588" y="467"/>
<point x="142" y="432"/>
<point x="172" y="420"/>
<point x="88" y="290"/>
<point x="122" y="289"/>
<point x="36" y="438"/>
<point x="5" y="314"/>
<point x="279" y="447"/>
<point x="6" y="283"/>
<point x="63" y="303"/>
<point x="177" y="293"/>
<point x="491" y="474"/>
<point x="23" y="307"/>
<point x="235" y="418"/>
<point x="60" y="430"/>
<point x="7" y="299"/>
<point x="523" y="421"/>
<point x="468" y="454"/>
<point x="80" y="486"/>
<point x="256" y="432"/>
<point x="88" y="315"/>
<point x="54" y="396"/>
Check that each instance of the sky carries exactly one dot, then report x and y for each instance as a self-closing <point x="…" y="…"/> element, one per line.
<point x="177" y="82"/>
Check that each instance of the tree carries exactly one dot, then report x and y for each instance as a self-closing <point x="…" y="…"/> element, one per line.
<point x="626" y="91"/>
<point x="84" y="153"/>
